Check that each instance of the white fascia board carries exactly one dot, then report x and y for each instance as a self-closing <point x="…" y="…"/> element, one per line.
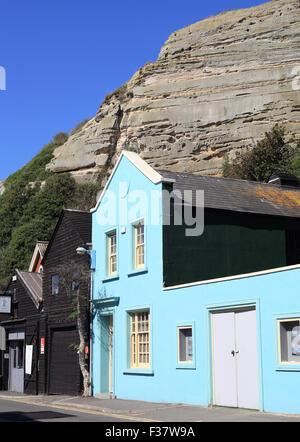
<point x="34" y="258"/>
<point x="141" y="165"/>
<point x="233" y="277"/>
<point x="144" y="167"/>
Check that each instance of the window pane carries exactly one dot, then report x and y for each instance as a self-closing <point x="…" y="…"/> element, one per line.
<point x="185" y="345"/>
<point x="139" y="245"/>
<point x="15" y="358"/>
<point x="55" y="284"/>
<point x="75" y="282"/>
<point x="112" y="253"/>
<point x="140" y="348"/>
<point x="290" y="340"/>
<point x="20" y="354"/>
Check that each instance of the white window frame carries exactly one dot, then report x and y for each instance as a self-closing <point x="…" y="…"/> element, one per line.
<point x="185" y="365"/>
<point x="109" y="254"/>
<point x="137" y="246"/>
<point x="184" y="327"/>
<point x="280" y="361"/>
<point x="136" y="342"/>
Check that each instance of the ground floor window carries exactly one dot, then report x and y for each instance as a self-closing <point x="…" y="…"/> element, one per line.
<point x="140" y="339"/>
<point x="289" y="340"/>
<point x="185" y="344"/>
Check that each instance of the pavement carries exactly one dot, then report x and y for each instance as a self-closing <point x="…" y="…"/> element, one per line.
<point x="140" y="411"/>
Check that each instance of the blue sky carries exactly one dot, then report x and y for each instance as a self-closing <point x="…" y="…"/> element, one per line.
<point x="63" y="56"/>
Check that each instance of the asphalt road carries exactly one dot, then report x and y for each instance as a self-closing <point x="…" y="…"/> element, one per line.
<point x="13" y="411"/>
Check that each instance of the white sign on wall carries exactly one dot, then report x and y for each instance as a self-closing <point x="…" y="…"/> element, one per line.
<point x="5" y="304"/>
<point x="28" y="359"/>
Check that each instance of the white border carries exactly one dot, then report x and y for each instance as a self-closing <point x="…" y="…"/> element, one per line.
<point x="229" y="278"/>
<point x="140" y="164"/>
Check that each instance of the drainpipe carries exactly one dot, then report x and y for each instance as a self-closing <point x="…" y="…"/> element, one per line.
<point x="91" y="331"/>
<point x="93" y="268"/>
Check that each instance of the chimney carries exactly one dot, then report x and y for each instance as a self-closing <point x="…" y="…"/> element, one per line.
<point x="284" y="179"/>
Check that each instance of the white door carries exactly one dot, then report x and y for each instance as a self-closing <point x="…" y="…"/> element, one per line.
<point x="16" y="366"/>
<point x="235" y="361"/>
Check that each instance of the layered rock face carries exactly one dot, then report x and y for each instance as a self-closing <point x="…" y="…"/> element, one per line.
<point x="217" y="86"/>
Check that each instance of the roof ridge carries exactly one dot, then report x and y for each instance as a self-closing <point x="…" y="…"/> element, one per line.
<point x="36" y="298"/>
<point x="240" y="180"/>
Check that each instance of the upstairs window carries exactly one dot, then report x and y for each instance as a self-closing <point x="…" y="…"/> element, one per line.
<point x="112" y="253"/>
<point x="55" y="284"/>
<point x="139" y="245"/>
<point x="75" y="282"/>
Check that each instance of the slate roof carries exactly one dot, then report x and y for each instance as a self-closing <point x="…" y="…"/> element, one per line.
<point x="33" y="284"/>
<point x="239" y="195"/>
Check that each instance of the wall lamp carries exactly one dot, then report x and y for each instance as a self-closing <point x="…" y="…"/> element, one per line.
<point x="92" y="253"/>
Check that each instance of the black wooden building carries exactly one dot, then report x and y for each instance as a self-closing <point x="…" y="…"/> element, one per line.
<point x="59" y="363"/>
<point x="20" y="330"/>
<point x="38" y="336"/>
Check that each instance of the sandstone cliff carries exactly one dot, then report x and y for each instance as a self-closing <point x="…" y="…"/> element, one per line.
<point x="217" y="86"/>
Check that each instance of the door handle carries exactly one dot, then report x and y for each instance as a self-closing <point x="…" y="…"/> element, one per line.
<point x="234" y="352"/>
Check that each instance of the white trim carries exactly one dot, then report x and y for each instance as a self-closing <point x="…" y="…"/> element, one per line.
<point x="229" y="278"/>
<point x="140" y="164"/>
<point x="144" y="167"/>
<point x="34" y="258"/>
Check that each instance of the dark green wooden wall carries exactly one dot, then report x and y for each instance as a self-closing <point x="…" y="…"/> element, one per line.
<point x="232" y="243"/>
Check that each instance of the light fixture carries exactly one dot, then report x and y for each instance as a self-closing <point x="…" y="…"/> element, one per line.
<point x="92" y="253"/>
<point x="82" y="251"/>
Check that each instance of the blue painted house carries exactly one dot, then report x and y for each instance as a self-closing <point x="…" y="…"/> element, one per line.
<point x="196" y="289"/>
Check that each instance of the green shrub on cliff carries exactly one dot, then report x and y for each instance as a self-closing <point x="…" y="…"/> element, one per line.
<point x="30" y="207"/>
<point x="272" y="154"/>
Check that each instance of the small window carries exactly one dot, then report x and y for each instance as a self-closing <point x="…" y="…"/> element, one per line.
<point x="289" y="345"/>
<point x="139" y="241"/>
<point x="140" y="339"/>
<point x="20" y="354"/>
<point x="112" y="253"/>
<point x="75" y="282"/>
<point x="185" y="344"/>
<point x="55" y="284"/>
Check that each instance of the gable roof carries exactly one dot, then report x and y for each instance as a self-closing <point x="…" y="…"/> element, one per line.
<point x="33" y="284"/>
<point x="222" y="193"/>
<point x="149" y="172"/>
<point x="80" y="221"/>
<point x="239" y="195"/>
<point x="40" y="249"/>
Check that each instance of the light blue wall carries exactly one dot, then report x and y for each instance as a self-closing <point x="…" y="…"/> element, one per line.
<point x="275" y="295"/>
<point x="136" y="290"/>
